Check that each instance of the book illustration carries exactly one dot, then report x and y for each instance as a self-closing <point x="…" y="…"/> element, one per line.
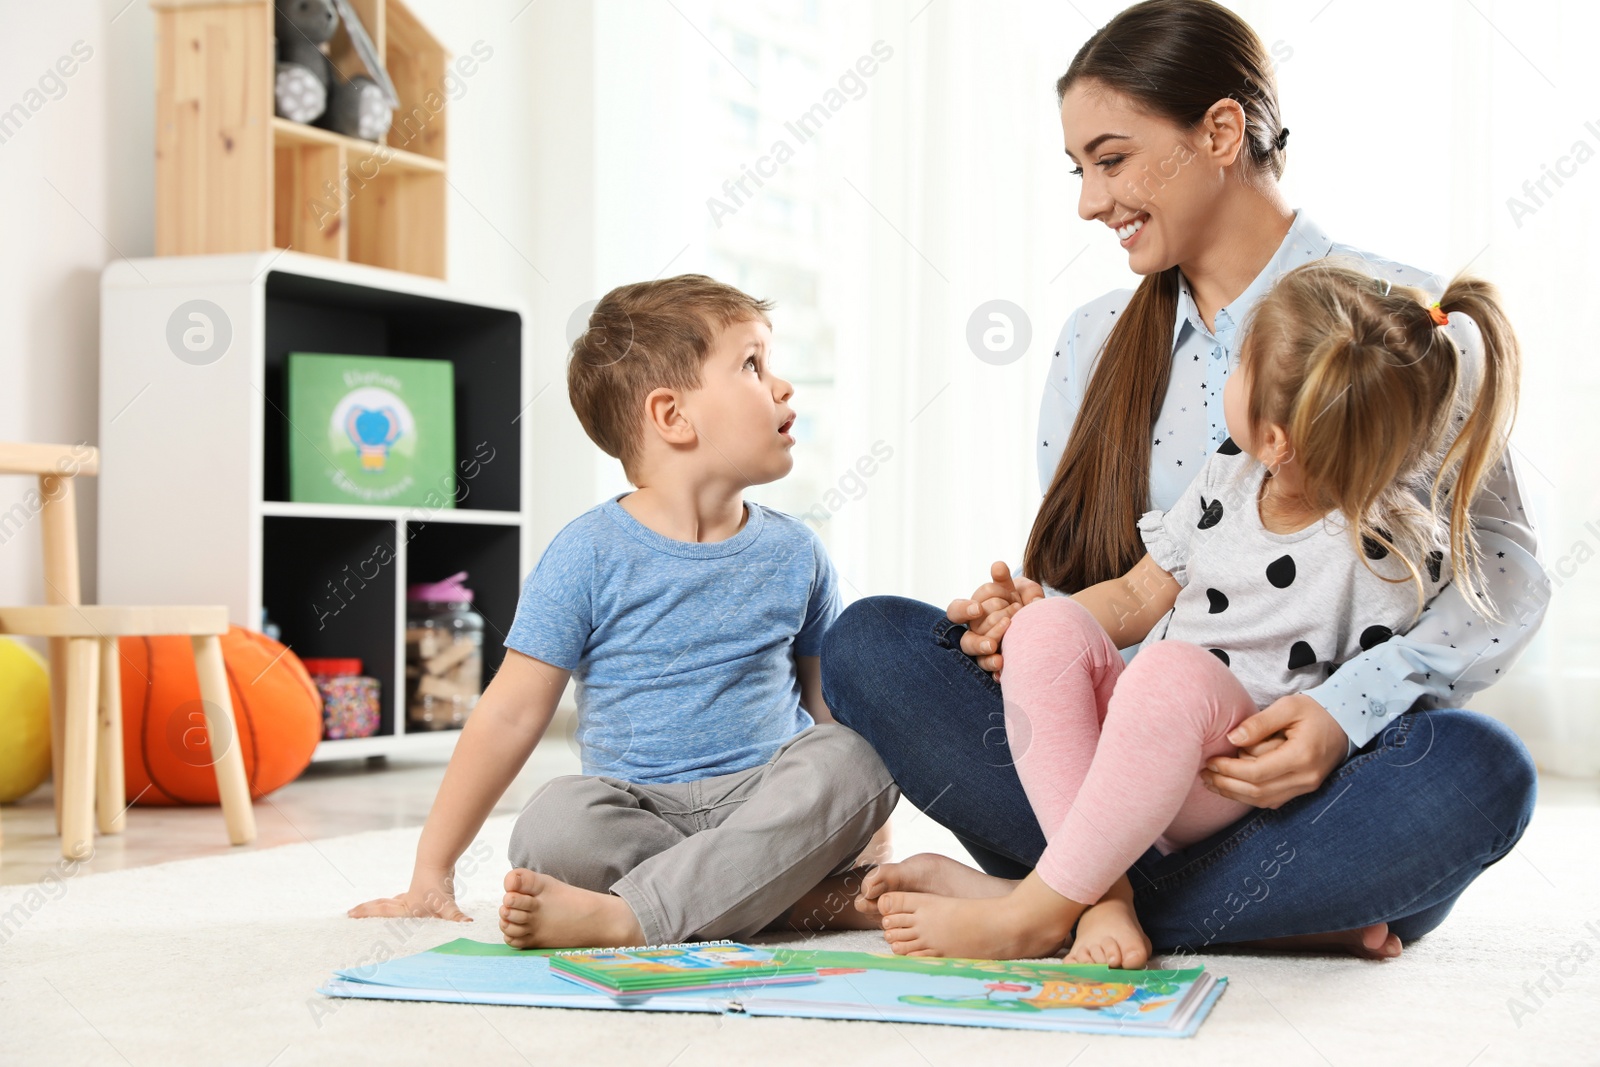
<point x="1049" y="995"/>
<point x="1026" y="995"/>
<point x="672" y="960"/>
<point x="707" y="965"/>
<point x="373" y="431"/>
<point x="1019" y="986"/>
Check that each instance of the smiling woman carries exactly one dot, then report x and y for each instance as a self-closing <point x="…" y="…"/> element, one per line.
<point x="1171" y="113"/>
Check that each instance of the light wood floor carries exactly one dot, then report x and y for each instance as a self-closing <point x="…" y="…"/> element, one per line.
<point x="328" y="800"/>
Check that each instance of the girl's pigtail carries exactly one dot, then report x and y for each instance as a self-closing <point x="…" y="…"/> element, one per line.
<point x="1485" y="426"/>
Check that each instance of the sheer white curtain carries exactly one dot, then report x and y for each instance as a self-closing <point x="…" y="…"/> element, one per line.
<point x="1414" y="125"/>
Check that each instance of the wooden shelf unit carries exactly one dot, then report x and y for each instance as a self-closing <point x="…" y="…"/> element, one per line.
<point x="233" y="177"/>
<point x="194" y="472"/>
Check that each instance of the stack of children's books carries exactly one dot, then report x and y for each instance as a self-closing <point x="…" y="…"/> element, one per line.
<point x="724" y="977"/>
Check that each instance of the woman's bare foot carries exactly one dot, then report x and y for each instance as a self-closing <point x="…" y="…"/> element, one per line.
<point x="929" y="872"/>
<point x="542" y="912"/>
<point x="1373" y="942"/>
<point x="1030" y="922"/>
<point x="1109" y="933"/>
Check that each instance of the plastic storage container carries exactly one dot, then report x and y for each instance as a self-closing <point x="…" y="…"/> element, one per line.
<point x="350" y="703"/>
<point x="444" y="654"/>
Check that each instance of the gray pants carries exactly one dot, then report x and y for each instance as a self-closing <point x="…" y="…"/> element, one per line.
<point x="721" y="857"/>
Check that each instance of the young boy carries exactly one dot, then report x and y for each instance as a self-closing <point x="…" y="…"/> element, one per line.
<point x="717" y="791"/>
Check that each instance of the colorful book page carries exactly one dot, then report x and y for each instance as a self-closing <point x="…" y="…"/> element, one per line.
<point x="1086" y="998"/>
<point x="696" y="966"/>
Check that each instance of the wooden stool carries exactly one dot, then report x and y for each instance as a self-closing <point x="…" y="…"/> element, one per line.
<point x="86" y="690"/>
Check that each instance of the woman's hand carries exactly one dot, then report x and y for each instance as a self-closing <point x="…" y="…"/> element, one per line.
<point x="988" y="612"/>
<point x="1286" y="749"/>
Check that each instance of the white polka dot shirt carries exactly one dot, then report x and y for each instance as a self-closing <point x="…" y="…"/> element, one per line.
<point x="1450" y="652"/>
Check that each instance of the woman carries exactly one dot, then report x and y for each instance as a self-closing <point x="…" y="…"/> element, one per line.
<point x="1378" y="799"/>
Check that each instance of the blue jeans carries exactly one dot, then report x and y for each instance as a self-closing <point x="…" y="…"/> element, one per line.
<point x="1393" y="835"/>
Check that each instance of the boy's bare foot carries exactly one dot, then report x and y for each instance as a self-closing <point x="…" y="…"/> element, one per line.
<point x="1373" y="942"/>
<point x="929" y="872"/>
<point x="1109" y="933"/>
<point x="878" y="850"/>
<point x="830" y="905"/>
<point x="1030" y="922"/>
<point x="543" y="912"/>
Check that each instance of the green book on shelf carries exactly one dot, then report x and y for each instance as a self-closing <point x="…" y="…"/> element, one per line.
<point x="371" y="430"/>
<point x="625" y="972"/>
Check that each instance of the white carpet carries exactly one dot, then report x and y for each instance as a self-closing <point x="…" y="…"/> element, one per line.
<point x="215" y="961"/>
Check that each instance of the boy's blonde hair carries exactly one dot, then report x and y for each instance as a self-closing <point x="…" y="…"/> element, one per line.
<point x="1369" y="389"/>
<point x="642" y="337"/>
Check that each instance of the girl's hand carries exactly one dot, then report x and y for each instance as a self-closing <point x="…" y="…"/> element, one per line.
<point x="1286" y="749"/>
<point x="987" y="613"/>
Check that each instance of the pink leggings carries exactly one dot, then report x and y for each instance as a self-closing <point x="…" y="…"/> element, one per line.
<point x="1109" y="754"/>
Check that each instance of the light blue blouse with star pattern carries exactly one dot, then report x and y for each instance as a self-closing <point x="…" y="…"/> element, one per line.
<point x="1450" y="652"/>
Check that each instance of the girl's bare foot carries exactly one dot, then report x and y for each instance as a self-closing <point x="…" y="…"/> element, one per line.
<point x="929" y="872"/>
<point x="1373" y="942"/>
<point x="1030" y="922"/>
<point x="1109" y="933"/>
<point x="541" y="912"/>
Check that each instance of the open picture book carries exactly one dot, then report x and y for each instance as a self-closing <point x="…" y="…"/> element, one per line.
<point x="1010" y="994"/>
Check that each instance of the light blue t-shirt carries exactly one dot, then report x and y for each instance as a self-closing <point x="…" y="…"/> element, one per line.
<point x="682" y="652"/>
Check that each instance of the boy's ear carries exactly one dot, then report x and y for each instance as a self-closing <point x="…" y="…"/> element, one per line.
<point x="664" y="416"/>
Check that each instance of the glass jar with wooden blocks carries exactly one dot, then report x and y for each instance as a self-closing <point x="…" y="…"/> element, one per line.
<point x="444" y="654"/>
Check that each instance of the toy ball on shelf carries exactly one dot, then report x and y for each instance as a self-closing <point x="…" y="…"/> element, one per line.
<point x="304" y="71"/>
<point x="168" y="754"/>
<point x="24" y="721"/>
<point x="299" y="96"/>
<point x="358" y="108"/>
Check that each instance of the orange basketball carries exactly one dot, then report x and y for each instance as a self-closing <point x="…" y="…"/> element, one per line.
<point x="166" y="753"/>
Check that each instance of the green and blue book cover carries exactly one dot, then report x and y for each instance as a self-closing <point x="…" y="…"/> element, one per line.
<point x="371" y="430"/>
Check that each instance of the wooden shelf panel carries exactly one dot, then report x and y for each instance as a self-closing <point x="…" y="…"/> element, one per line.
<point x="231" y="176"/>
<point x="286" y="131"/>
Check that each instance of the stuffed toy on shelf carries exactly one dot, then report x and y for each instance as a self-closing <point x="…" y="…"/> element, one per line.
<point x="310" y="89"/>
<point x="304" y="70"/>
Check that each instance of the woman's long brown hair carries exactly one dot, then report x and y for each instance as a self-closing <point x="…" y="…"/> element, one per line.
<point x="1174" y="58"/>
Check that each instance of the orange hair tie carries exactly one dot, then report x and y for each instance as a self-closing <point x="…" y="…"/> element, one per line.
<point x="1440" y="316"/>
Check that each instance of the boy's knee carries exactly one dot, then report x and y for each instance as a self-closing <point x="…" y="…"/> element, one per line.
<point x="549" y="836"/>
<point x="851" y="766"/>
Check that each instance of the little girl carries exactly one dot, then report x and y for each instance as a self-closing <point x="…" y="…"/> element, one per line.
<point x="1301" y="543"/>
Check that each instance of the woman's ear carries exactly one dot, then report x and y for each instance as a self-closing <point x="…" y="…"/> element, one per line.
<point x="664" y="416"/>
<point x="1224" y="124"/>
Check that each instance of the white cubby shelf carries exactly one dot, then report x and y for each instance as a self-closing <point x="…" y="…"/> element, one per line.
<point x="193" y="487"/>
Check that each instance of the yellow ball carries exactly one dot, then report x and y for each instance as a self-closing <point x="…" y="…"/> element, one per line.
<point x="24" y="720"/>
